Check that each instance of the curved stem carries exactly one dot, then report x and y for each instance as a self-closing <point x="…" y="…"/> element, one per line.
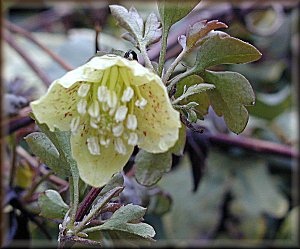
<point x="162" y="55"/>
<point x="146" y="58"/>
<point x="173" y="66"/>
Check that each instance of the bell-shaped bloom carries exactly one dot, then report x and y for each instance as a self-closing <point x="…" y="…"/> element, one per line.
<point x="110" y="104"/>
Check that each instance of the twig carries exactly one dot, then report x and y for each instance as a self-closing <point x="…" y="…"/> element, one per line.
<point x="14" y="28"/>
<point x="28" y="60"/>
<point x="81" y="241"/>
<point x="252" y="144"/>
<point x="87" y="202"/>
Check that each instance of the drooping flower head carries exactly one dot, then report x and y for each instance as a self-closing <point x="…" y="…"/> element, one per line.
<point x="110" y="104"/>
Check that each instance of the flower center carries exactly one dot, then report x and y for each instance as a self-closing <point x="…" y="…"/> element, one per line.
<point x="106" y="109"/>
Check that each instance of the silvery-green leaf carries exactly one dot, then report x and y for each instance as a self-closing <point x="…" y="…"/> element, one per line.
<point x="153" y="30"/>
<point x="125" y="219"/>
<point x="194" y="89"/>
<point x="52" y="205"/>
<point x="129" y="20"/>
<point x="42" y="147"/>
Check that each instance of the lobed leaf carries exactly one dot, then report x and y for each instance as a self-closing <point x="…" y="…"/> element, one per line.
<point x="200" y="30"/>
<point x="219" y="49"/>
<point x="232" y="93"/>
<point x="125" y="220"/>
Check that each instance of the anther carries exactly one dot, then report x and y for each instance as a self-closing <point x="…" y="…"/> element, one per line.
<point x="74" y="124"/>
<point x="131" y="123"/>
<point x="83" y="90"/>
<point x="127" y="94"/>
<point x="81" y="106"/>
<point x="112" y="99"/>
<point x="141" y="103"/>
<point x="93" y="145"/>
<point x="102" y="93"/>
<point x="94" y="109"/>
<point x="133" y="139"/>
<point x="118" y="130"/>
<point x="121" y="113"/>
<point x="120" y="147"/>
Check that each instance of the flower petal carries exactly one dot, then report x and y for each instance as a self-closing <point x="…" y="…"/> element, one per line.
<point x="139" y="75"/>
<point x="158" y="122"/>
<point x="57" y="107"/>
<point x="96" y="170"/>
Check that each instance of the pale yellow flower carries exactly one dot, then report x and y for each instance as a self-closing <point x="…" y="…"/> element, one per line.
<point x="110" y="104"/>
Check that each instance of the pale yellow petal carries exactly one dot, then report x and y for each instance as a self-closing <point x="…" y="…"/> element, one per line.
<point x="96" y="170"/>
<point x="158" y="122"/>
<point x="57" y="107"/>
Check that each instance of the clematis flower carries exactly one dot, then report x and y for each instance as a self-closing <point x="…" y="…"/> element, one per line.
<point x="110" y="104"/>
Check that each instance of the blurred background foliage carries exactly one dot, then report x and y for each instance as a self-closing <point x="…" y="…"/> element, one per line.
<point x="242" y="195"/>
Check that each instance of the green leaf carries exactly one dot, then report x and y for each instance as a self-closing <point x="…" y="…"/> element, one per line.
<point x="232" y="93"/>
<point x="125" y="219"/>
<point x="194" y="89"/>
<point x="153" y="30"/>
<point x="61" y="140"/>
<point x="42" y="146"/>
<point x="116" y="181"/>
<point x="52" y="205"/>
<point x="224" y="50"/>
<point x="173" y="11"/>
<point x="150" y="167"/>
<point x="129" y="20"/>
<point x="200" y="98"/>
<point x="199" y="30"/>
<point x="178" y="148"/>
<point x="138" y="33"/>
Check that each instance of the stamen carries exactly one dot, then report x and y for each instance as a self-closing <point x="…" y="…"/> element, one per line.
<point x="112" y="112"/>
<point x="120" y="147"/>
<point x="118" y="130"/>
<point x="102" y="93"/>
<point x="141" y="103"/>
<point x="75" y="124"/>
<point x="83" y="90"/>
<point x="81" y="106"/>
<point x="105" y="107"/>
<point x="131" y="123"/>
<point x="112" y="99"/>
<point x="94" y="124"/>
<point x="104" y="141"/>
<point x="127" y="94"/>
<point x="133" y="139"/>
<point x="94" y="109"/>
<point x="93" y="145"/>
<point x="121" y="113"/>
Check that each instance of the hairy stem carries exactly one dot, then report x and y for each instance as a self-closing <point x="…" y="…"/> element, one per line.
<point x="87" y="202"/>
<point x="162" y="55"/>
<point x="146" y="58"/>
<point x="173" y="66"/>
